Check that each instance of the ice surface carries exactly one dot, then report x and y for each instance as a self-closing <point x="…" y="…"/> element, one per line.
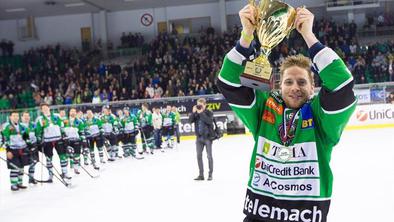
<point x="161" y="187"/>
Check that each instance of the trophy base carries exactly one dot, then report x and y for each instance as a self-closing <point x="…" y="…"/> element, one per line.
<point x="255" y="83"/>
<point x="257" y="74"/>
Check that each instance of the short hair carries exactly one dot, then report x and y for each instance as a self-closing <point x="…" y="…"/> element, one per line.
<point x="202" y="100"/>
<point x="299" y="61"/>
<point x="43" y="104"/>
<point x="145" y="105"/>
<point x="14" y="111"/>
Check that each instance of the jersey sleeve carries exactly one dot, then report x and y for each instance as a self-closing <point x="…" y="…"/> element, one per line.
<point x="247" y="103"/>
<point x="6" y="134"/>
<point x="39" y="128"/>
<point x="335" y="103"/>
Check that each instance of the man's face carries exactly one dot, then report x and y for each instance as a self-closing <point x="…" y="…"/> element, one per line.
<point x="14" y="117"/>
<point x="73" y="113"/>
<point x="80" y="114"/>
<point x="62" y="113"/>
<point x="296" y="87"/>
<point x="45" y="110"/>
<point x="173" y="109"/>
<point x="168" y="109"/>
<point x="89" y="114"/>
<point x="26" y="117"/>
<point x="106" y="111"/>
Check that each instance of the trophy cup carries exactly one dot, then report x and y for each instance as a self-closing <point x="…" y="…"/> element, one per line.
<point x="274" y="21"/>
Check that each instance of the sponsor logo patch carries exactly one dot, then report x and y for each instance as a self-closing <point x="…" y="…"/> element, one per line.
<point x="269" y="117"/>
<point x="307" y="123"/>
<point x="271" y="103"/>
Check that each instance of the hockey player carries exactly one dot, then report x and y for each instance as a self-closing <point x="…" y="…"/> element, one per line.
<point x="48" y="133"/>
<point x="110" y="130"/>
<point x="292" y="129"/>
<point x="74" y="131"/>
<point x="145" y="121"/>
<point x="177" y="121"/>
<point x="168" y="127"/>
<point x="84" y="142"/>
<point x="129" y="125"/>
<point x="93" y="132"/>
<point x="62" y="114"/>
<point x="15" y="136"/>
<point x="32" y="145"/>
<point x="119" y="133"/>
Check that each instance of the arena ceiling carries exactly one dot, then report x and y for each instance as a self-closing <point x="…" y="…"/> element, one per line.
<point x="13" y="9"/>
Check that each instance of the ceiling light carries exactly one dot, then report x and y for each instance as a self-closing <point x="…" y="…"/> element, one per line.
<point x="77" y="4"/>
<point x="15" y="10"/>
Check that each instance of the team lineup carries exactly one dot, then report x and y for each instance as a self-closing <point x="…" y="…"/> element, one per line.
<point x="78" y="136"/>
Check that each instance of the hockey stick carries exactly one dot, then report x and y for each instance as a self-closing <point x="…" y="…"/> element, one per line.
<point x="17" y="168"/>
<point x="65" y="183"/>
<point x="146" y="142"/>
<point x="80" y="165"/>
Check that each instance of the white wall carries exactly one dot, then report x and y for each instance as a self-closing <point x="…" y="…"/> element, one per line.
<point x="65" y="30"/>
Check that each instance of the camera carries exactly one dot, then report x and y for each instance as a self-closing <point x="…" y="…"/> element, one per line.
<point x="199" y="106"/>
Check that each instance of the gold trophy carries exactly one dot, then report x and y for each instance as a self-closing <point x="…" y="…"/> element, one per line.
<point x="274" y="21"/>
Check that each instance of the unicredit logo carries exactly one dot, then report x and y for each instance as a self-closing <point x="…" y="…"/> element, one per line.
<point x="361" y="115"/>
<point x="258" y="163"/>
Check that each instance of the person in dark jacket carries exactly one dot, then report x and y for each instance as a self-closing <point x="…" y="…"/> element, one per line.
<point x="203" y="120"/>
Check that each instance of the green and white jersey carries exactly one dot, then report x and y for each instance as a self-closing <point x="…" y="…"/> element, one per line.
<point x="74" y="129"/>
<point x="31" y="127"/>
<point x="93" y="127"/>
<point x="168" y="119"/>
<point x="14" y="135"/>
<point x="48" y="128"/>
<point x="291" y="180"/>
<point x="145" y="118"/>
<point x="110" y="124"/>
<point x="129" y="123"/>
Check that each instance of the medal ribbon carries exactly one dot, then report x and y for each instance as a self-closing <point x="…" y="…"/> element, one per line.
<point x="285" y="134"/>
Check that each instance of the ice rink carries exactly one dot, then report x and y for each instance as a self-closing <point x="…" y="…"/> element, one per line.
<point x="161" y="187"/>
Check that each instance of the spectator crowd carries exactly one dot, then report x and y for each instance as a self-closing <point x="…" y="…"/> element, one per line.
<point x="172" y="66"/>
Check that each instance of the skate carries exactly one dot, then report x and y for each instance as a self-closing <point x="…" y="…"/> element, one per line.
<point x="14" y="188"/>
<point x="20" y="186"/>
<point x="65" y="176"/>
<point x="32" y="181"/>
<point x="95" y="166"/>
<point x="50" y="180"/>
<point x="76" y="171"/>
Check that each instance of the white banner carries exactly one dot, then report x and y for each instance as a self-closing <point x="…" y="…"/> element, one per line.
<point x="363" y="95"/>
<point x="372" y="114"/>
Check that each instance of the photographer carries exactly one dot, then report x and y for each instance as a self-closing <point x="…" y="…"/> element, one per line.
<point x="203" y="120"/>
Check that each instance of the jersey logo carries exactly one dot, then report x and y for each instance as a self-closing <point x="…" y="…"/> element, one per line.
<point x="278" y="108"/>
<point x="269" y="117"/>
<point x="307" y="117"/>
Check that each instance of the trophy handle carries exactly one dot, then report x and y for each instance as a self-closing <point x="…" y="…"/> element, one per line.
<point x="252" y="2"/>
<point x="257" y="9"/>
